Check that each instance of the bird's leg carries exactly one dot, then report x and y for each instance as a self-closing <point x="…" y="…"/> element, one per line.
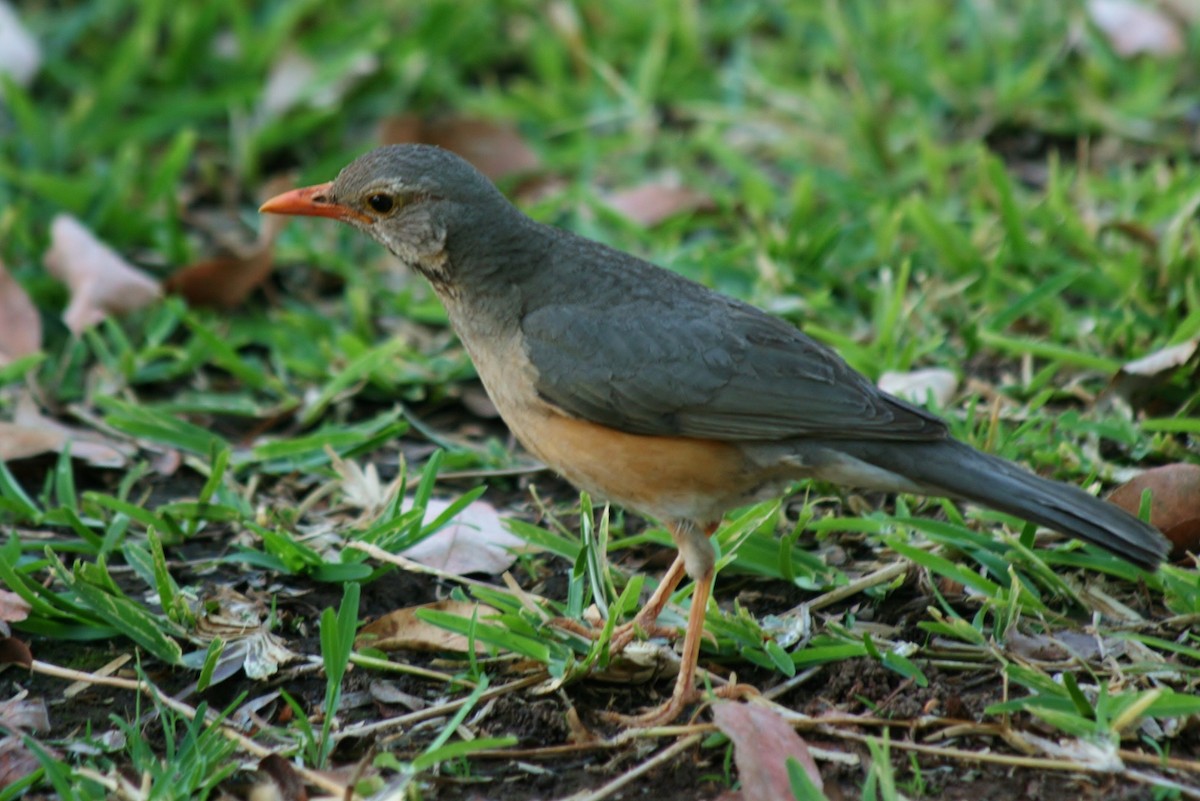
<point x="696" y="553"/>
<point x="645" y="620"/>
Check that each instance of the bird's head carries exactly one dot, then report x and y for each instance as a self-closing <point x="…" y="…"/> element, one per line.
<point x="412" y="199"/>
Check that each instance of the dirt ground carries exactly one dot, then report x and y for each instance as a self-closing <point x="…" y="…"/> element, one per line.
<point x="548" y="767"/>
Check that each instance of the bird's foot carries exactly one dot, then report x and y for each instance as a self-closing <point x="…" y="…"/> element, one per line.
<point x="621" y="636"/>
<point x="667" y="713"/>
<point x="656" y="716"/>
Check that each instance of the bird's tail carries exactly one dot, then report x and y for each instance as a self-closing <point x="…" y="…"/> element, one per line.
<point x="954" y="469"/>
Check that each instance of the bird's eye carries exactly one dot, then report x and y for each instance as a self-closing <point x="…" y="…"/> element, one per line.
<point x="381" y="203"/>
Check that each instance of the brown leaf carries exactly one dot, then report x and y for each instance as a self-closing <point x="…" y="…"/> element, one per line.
<point x="1174" y="504"/>
<point x="1134" y="28"/>
<point x="288" y="784"/>
<point x="225" y="282"/>
<point x="403" y="629"/>
<point x="15" y="652"/>
<point x="918" y="386"/>
<point x="31" y="434"/>
<point x="651" y="203"/>
<point x="20" y="55"/>
<point x="495" y="148"/>
<point x="16" y="761"/>
<point x="100" y="281"/>
<point x="475" y="541"/>
<point x="20" y="323"/>
<point x="762" y="743"/>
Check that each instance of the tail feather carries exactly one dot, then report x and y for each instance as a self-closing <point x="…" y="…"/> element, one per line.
<point x="954" y="469"/>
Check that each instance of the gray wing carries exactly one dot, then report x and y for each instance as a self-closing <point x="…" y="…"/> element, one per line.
<point x="701" y="365"/>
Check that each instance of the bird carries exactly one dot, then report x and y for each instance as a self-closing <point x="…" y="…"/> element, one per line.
<point x="653" y="392"/>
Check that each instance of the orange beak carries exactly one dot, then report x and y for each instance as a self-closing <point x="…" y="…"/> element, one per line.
<point x="312" y="201"/>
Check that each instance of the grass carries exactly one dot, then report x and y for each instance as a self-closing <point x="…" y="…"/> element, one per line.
<point x="983" y="187"/>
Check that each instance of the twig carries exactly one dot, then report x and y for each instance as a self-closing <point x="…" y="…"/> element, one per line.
<point x="665" y="755"/>
<point x="884" y="574"/>
<point x="436" y="711"/>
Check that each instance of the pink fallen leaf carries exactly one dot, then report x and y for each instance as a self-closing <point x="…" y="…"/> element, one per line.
<point x="20" y="54"/>
<point x="22" y="713"/>
<point x="1134" y="28"/>
<point x="30" y="433"/>
<point x="100" y="281"/>
<point x="762" y="744"/>
<point x="651" y="203"/>
<point x="495" y="148"/>
<point x="13" y="608"/>
<point x="19" y="715"/>
<point x="20" y="323"/>
<point x="475" y="541"/>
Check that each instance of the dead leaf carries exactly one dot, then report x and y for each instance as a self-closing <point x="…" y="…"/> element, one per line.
<point x="762" y="743"/>
<point x="495" y="148"/>
<point x="362" y="488"/>
<point x="919" y="386"/>
<point x="1134" y="28"/>
<point x="13" y="608"/>
<point x="224" y="282"/>
<point x="651" y="203"/>
<point x="295" y="79"/>
<point x="14" y="651"/>
<point x="1164" y="360"/>
<point x="1057" y="646"/>
<point x="387" y="692"/>
<point x="1136" y="382"/>
<point x="31" y="434"/>
<point x="241" y="622"/>
<point x="100" y="281"/>
<point x="1098" y="755"/>
<point x="20" y="55"/>
<point x="17" y="762"/>
<point x="403" y="629"/>
<point x="1174" y="504"/>
<point x="20" y="323"/>
<point x="20" y="713"/>
<point x="287" y="784"/>
<point x="475" y="541"/>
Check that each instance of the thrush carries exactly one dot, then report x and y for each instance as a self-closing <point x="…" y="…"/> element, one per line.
<point x="658" y="394"/>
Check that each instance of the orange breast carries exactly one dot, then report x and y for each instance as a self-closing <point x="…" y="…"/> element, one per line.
<point x="667" y="477"/>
